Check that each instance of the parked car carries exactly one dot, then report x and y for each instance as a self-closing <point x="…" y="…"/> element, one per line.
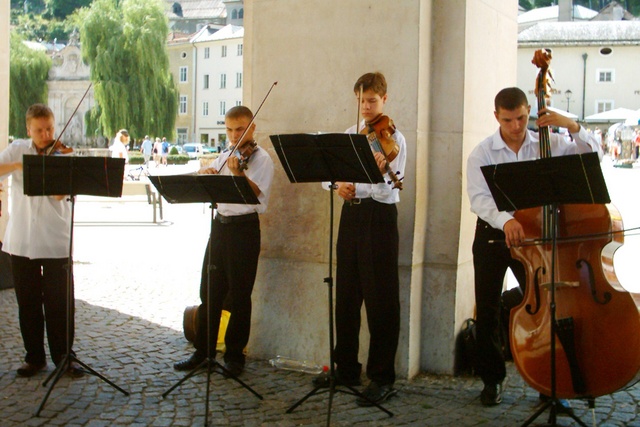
<point x="193" y="149"/>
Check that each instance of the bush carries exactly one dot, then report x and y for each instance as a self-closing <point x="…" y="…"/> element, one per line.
<point x="136" y="158"/>
<point x="177" y="159"/>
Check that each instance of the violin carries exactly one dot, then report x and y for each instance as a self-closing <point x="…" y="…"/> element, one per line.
<point x="244" y="153"/>
<point x="378" y="132"/>
<point x="55" y="147"/>
<point x="593" y="346"/>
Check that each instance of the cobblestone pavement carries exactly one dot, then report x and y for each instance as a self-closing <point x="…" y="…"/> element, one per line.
<point x="129" y="306"/>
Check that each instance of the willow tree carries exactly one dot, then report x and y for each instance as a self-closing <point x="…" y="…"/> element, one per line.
<point x="28" y="71"/>
<point x="124" y="43"/>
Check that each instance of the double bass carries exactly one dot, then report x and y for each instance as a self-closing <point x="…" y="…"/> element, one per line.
<point x="596" y="331"/>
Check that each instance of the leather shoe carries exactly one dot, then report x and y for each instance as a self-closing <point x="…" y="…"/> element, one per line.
<point x="375" y="393"/>
<point x="233" y="368"/>
<point x="323" y="380"/>
<point x="75" y="371"/>
<point x="189" y="364"/>
<point x="491" y="394"/>
<point x="29" y="369"/>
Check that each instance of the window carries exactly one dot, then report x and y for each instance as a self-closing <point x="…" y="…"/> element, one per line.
<point x="183" y="74"/>
<point x="223" y="81"/>
<point x="206" y="53"/>
<point x="605" y="76"/>
<point x="234" y="14"/>
<point x="606" y="51"/>
<point x="182" y="135"/>
<point x="241" y="14"/>
<point x="602" y="106"/>
<point x="224" y="51"/>
<point x="240" y="49"/>
<point x="223" y="108"/>
<point x="205" y="108"/>
<point x="238" y="79"/>
<point x="205" y="84"/>
<point x="238" y="103"/>
<point x="183" y="104"/>
<point x="183" y="55"/>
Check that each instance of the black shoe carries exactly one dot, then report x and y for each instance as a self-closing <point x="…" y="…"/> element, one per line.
<point x="323" y="380"/>
<point x="491" y="394"/>
<point x="233" y="368"/>
<point x="30" y="369"/>
<point x="375" y="393"/>
<point x="75" y="371"/>
<point x="189" y="364"/>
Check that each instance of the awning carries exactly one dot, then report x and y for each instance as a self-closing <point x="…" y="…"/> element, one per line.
<point x="615" y="115"/>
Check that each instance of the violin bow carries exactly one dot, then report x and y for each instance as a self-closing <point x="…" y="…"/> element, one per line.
<point x="235" y="147"/>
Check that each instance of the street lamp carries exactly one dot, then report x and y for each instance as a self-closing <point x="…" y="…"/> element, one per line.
<point x="567" y="94"/>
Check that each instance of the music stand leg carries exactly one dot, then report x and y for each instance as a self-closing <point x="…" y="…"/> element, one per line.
<point x="210" y="360"/>
<point x="332" y="390"/>
<point x="69" y="357"/>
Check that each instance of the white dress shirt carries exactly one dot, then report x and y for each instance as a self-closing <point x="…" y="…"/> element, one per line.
<point x="39" y="226"/>
<point x="493" y="150"/>
<point x="260" y="170"/>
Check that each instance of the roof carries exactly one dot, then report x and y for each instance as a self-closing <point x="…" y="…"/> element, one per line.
<point x="581" y="33"/>
<point x="550" y="13"/>
<point x="209" y="33"/>
<point x="196" y="9"/>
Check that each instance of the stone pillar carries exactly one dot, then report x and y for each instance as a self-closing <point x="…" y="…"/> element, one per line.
<point x="444" y="62"/>
<point x="4" y="96"/>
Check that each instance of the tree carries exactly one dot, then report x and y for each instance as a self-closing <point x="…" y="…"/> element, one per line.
<point x="125" y="45"/>
<point x="28" y="72"/>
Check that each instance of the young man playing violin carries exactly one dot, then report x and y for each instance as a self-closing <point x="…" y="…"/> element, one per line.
<point x="512" y="142"/>
<point x="37" y="241"/>
<point x="235" y="247"/>
<point x="367" y="261"/>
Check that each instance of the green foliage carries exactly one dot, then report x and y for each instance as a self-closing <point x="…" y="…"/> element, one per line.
<point x="526" y="4"/>
<point x="28" y="72"/>
<point x="60" y="9"/>
<point x="125" y="47"/>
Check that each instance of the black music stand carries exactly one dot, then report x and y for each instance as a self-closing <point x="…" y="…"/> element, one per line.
<point x="212" y="189"/>
<point x="71" y="175"/>
<point x="548" y="182"/>
<point x="321" y="158"/>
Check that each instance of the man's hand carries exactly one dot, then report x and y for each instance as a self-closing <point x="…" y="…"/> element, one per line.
<point x="207" y="171"/>
<point x="381" y="161"/>
<point x="514" y="233"/>
<point x="346" y="190"/>
<point x="547" y="117"/>
<point x="233" y="163"/>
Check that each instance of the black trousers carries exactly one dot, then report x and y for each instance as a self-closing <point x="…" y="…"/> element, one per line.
<point x="41" y="291"/>
<point x="490" y="263"/>
<point x="232" y="263"/>
<point x="367" y="270"/>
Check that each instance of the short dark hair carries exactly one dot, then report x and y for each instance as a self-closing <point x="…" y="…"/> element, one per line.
<point x="239" y="111"/>
<point x="510" y="98"/>
<point x="372" y="81"/>
<point x="37" y="111"/>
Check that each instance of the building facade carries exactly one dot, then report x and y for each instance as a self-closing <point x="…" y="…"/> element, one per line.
<point x="218" y="80"/>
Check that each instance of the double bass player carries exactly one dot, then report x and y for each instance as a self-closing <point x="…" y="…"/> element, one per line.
<point x="512" y="142"/>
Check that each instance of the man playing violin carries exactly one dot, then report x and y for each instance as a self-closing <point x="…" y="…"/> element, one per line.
<point x="512" y="142"/>
<point x="37" y="241"/>
<point x="235" y="246"/>
<point x="367" y="261"/>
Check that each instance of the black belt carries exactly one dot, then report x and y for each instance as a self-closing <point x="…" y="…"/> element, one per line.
<point x="253" y="216"/>
<point x="357" y="201"/>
